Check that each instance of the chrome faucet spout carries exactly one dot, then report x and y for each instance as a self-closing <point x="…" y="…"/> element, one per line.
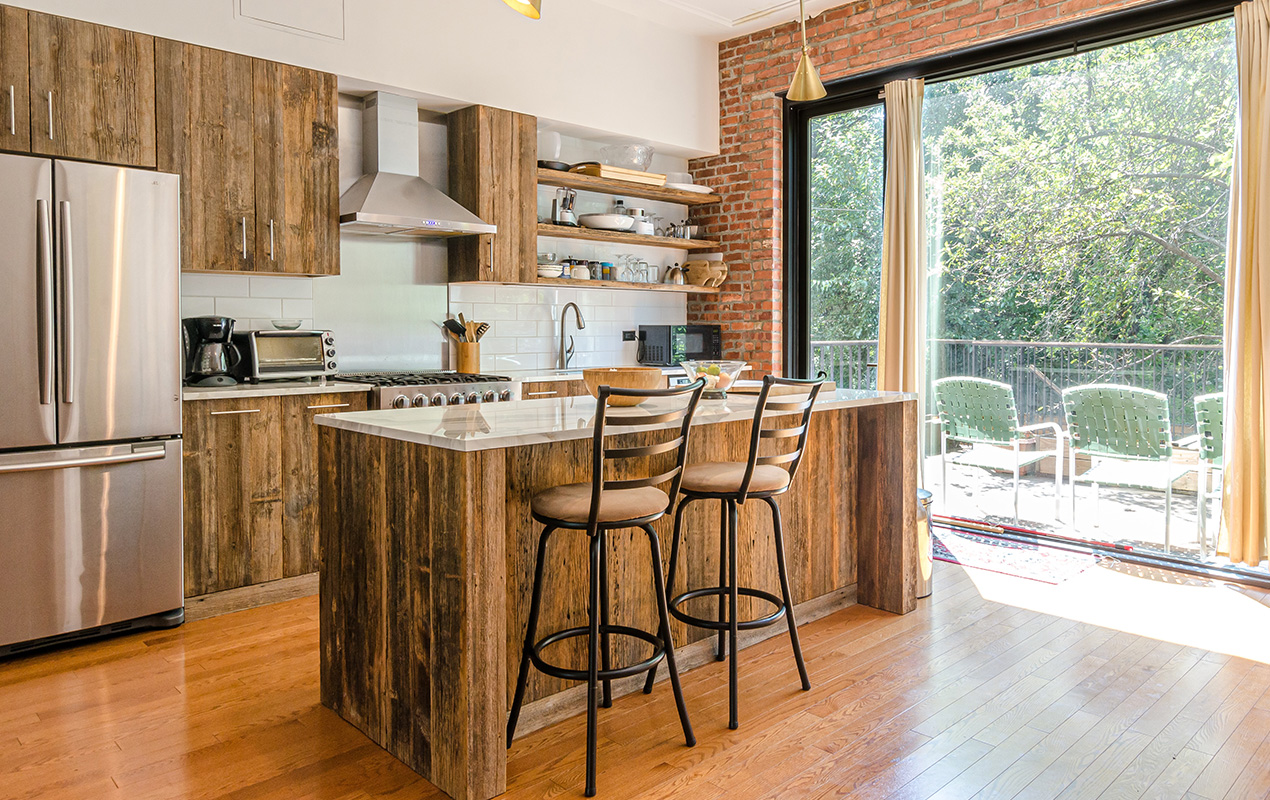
<point x="566" y="351"/>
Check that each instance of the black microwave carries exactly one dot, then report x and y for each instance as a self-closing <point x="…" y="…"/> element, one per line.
<point x="667" y="345"/>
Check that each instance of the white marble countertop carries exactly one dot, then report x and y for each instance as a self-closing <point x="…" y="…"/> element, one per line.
<point x="270" y="389"/>
<point x="497" y="425"/>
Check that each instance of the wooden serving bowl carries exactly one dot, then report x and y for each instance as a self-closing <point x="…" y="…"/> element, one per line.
<point x="622" y="378"/>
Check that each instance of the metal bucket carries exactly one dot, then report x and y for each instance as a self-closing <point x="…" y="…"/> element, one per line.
<point x="925" y="547"/>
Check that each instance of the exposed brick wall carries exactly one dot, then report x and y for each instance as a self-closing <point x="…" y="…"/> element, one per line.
<point x="857" y="37"/>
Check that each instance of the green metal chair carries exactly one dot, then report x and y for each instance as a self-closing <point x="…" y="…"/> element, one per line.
<point x="1127" y="434"/>
<point x="978" y="411"/>
<point x="1209" y="427"/>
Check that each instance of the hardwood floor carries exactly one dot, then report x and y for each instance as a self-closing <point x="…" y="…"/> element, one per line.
<point x="966" y="697"/>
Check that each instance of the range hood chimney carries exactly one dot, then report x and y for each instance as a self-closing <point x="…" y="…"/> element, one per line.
<point x="391" y="199"/>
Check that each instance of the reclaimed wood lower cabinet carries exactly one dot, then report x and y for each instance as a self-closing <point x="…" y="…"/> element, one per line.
<point x="250" y="484"/>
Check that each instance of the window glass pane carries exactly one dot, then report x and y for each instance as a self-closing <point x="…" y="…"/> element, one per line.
<point x="845" y="251"/>
<point x="1077" y="212"/>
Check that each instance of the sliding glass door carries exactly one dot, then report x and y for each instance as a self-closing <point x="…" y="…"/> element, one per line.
<point x="845" y="243"/>
<point x="1077" y="209"/>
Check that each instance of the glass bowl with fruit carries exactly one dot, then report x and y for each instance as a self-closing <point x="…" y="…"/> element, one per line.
<point x="719" y="375"/>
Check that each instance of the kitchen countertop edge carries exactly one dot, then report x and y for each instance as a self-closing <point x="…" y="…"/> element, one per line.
<point x="407" y="425"/>
<point x="245" y="390"/>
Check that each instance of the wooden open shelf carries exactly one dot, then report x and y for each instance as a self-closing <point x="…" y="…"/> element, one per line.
<point x="686" y="288"/>
<point x="590" y="183"/>
<point x="621" y="237"/>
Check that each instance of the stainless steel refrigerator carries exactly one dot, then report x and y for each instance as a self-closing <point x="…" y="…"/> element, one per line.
<point x="90" y="424"/>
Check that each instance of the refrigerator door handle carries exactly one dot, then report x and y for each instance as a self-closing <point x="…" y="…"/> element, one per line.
<point x="71" y="463"/>
<point x="44" y="301"/>
<point x="68" y="304"/>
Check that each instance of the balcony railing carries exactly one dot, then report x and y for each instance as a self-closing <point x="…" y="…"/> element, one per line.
<point x="1040" y="371"/>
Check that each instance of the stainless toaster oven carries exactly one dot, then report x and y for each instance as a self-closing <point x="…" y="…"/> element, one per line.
<point x="284" y="355"/>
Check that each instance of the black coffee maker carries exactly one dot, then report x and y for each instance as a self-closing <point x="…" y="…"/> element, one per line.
<point x="209" y="354"/>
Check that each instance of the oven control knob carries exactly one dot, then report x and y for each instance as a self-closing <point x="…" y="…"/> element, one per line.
<point x="401" y="401"/>
<point x="330" y="365"/>
<point x="474" y="397"/>
<point x="420" y="401"/>
<point x="505" y="395"/>
<point x="438" y="399"/>
<point x="490" y="397"/>
<point x="331" y="352"/>
<point x="456" y="399"/>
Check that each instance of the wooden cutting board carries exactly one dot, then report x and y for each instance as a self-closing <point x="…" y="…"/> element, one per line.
<point x="621" y="174"/>
<point x="754" y="387"/>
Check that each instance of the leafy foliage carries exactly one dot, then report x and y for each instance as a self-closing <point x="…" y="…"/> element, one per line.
<point x="1078" y="199"/>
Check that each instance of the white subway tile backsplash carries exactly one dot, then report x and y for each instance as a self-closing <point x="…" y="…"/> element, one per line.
<point x="199" y="284"/>
<point x="472" y="293"/>
<point x="293" y="309"/>
<point x="516" y="294"/>
<point x="198" y="306"/>
<point x="298" y="287"/>
<point x="244" y="307"/>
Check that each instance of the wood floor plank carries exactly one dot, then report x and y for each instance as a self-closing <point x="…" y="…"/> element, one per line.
<point x="965" y="697"/>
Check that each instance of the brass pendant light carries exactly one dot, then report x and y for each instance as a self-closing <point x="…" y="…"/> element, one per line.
<point x="806" y="84"/>
<point x="530" y="8"/>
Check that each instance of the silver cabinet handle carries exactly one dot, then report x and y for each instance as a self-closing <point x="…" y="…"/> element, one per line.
<point x="44" y="292"/>
<point x="244" y="237"/>
<point x="333" y="405"/>
<point x="13" y="113"/>
<point x="542" y="394"/>
<point x="491" y="257"/>
<point x="50" y="98"/>
<point x="68" y="304"/>
<point x="71" y="463"/>
<point x="271" y="240"/>
<point x="226" y="413"/>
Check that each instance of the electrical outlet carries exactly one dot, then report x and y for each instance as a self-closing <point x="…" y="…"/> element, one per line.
<point x="628" y="336"/>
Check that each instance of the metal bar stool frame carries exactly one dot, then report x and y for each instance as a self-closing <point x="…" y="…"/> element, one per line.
<point x="728" y="625"/>
<point x="599" y="671"/>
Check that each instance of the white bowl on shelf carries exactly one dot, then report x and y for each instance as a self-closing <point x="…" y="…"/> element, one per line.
<point x="550" y="270"/>
<point x="606" y="222"/>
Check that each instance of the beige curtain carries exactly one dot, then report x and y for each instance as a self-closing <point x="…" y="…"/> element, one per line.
<point x="1244" y="499"/>
<point x="901" y="323"/>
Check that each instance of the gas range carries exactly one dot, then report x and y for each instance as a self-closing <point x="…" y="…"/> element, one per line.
<point x="420" y="389"/>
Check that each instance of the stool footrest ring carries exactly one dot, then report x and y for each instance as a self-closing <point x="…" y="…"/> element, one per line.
<point x="659" y="653"/>
<point x="721" y="624"/>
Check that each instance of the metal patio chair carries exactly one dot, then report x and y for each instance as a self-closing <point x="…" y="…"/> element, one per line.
<point x="1127" y="434"/>
<point x="979" y="411"/>
<point x="1212" y="458"/>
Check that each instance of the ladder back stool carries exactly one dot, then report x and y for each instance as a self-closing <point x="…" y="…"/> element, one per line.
<point x="597" y="507"/>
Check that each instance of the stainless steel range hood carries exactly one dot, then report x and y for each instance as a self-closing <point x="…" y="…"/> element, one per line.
<point x="391" y="199"/>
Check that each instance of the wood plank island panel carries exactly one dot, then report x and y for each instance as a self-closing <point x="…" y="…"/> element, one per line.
<point x="428" y="561"/>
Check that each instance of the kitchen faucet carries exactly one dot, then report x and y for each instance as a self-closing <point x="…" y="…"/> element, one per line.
<point x="567" y="353"/>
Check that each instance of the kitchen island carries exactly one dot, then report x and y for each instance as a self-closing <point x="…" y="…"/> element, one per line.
<point x="428" y="548"/>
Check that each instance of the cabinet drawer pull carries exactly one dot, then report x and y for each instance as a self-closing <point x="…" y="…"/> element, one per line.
<point x="50" y="98"/>
<point x="332" y="405"/>
<point x="542" y="394"/>
<point x="13" y="114"/>
<point x="226" y="413"/>
<point x="491" y="257"/>
<point x="244" y="237"/>
<point x="271" y="240"/>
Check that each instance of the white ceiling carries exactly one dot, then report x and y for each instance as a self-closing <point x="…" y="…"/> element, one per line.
<point x="719" y="19"/>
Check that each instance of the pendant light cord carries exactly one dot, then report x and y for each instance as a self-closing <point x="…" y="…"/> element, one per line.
<point x="802" y="21"/>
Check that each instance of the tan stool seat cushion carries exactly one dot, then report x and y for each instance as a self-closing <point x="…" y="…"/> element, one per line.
<point x="572" y="503"/>
<point x="723" y="477"/>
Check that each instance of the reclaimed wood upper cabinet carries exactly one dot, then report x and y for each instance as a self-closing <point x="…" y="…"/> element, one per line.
<point x="206" y="134"/>
<point x="15" y="108"/>
<point x="297" y="171"/>
<point x="233" y="493"/>
<point x="92" y="91"/>
<point x="300" y="474"/>
<point x="493" y="174"/>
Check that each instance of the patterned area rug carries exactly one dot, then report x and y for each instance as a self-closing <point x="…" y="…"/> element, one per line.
<point x="1034" y="562"/>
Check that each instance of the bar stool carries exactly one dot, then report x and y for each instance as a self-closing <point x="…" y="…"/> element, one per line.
<point x="732" y="483"/>
<point x="598" y="507"/>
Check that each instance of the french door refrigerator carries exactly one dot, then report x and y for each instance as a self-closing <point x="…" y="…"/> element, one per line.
<point x="90" y="426"/>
